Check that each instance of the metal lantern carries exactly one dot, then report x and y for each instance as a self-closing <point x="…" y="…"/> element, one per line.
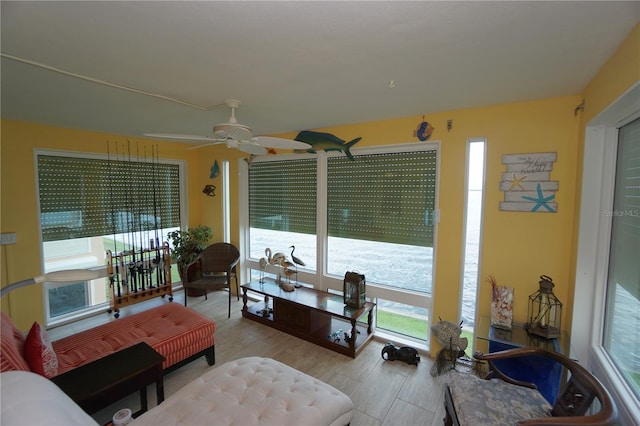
<point x="545" y="311"/>
<point x="354" y="289"/>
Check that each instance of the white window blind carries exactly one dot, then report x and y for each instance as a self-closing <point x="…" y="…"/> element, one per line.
<point x="624" y="268"/>
<point x="622" y="323"/>
<point x="386" y="197"/>
<point x="85" y="197"/>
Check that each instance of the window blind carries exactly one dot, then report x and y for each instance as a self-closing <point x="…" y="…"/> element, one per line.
<point x="625" y="216"/>
<point x="84" y="197"/>
<point x="383" y="197"/>
<point x="282" y="195"/>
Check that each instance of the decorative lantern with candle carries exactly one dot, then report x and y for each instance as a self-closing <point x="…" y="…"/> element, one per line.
<point x="545" y="311"/>
<point x="354" y="289"/>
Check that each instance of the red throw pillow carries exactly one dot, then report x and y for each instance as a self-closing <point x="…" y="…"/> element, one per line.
<point x="39" y="353"/>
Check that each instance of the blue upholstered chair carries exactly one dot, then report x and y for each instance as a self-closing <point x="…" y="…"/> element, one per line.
<point x="500" y="400"/>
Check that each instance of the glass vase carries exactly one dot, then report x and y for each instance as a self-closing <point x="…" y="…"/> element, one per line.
<point x="502" y="307"/>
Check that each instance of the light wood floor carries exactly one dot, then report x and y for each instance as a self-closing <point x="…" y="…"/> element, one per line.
<point x="383" y="392"/>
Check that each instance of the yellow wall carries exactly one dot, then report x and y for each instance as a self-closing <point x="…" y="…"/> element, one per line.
<point x="19" y="201"/>
<point x="619" y="73"/>
<point x="517" y="246"/>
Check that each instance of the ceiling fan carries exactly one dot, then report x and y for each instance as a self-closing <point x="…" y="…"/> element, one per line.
<point x="236" y="135"/>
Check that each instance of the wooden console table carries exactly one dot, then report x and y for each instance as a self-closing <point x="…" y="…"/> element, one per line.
<point x="313" y="315"/>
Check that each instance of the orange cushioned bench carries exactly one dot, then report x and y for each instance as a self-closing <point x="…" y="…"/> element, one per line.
<point x="178" y="333"/>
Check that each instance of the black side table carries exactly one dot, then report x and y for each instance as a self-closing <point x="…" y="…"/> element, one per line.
<point x="98" y="384"/>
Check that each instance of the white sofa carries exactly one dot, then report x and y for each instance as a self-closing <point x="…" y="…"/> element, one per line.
<point x="247" y="391"/>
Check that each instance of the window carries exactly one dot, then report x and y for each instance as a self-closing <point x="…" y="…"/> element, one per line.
<point x="375" y="215"/>
<point x="605" y="325"/>
<point x="622" y="312"/>
<point x="92" y="204"/>
<point x="382" y="206"/>
<point x="472" y="236"/>
<point x="282" y="208"/>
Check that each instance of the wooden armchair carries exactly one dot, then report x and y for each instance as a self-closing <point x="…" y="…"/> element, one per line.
<point x="470" y="400"/>
<point x="213" y="269"/>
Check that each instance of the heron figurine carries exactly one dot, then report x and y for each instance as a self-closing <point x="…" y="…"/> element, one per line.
<point x="286" y="269"/>
<point x="263" y="267"/>
<point x="297" y="261"/>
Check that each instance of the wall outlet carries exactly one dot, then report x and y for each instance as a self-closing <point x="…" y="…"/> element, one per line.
<point x="7" y="238"/>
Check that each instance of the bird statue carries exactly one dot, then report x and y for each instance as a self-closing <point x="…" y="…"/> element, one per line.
<point x="295" y="259"/>
<point x="286" y="267"/>
<point x="297" y="262"/>
<point x="263" y="267"/>
<point x="277" y="258"/>
<point x="287" y="272"/>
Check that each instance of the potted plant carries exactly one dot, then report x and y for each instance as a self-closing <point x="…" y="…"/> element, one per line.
<point x="186" y="245"/>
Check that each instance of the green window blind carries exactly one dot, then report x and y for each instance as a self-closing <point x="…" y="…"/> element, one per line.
<point x="383" y="197"/>
<point x="83" y="197"/>
<point x="282" y="195"/>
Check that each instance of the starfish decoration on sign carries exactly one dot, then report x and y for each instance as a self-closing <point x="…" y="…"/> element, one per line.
<point x="541" y="200"/>
<point x="516" y="182"/>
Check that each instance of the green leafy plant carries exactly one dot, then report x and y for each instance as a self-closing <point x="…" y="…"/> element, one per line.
<point x="188" y="244"/>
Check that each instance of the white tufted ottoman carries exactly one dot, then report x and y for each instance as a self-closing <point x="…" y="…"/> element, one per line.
<point x="253" y="391"/>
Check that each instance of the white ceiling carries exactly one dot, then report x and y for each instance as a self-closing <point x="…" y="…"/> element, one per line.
<point x="294" y="65"/>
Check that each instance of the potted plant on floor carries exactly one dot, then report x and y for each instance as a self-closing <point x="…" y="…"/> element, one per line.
<point x="186" y="245"/>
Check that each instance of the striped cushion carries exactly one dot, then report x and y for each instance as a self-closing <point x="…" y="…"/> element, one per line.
<point x="11" y="346"/>
<point x="174" y="331"/>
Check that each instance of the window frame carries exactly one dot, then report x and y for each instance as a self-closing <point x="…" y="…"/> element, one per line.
<point x="184" y="214"/>
<point x="320" y="279"/>
<point x="594" y="236"/>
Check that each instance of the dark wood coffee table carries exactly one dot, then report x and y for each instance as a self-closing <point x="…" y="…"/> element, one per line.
<point x="98" y="384"/>
<point x="314" y="315"/>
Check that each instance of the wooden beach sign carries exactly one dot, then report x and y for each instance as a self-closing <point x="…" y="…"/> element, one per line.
<point x="527" y="185"/>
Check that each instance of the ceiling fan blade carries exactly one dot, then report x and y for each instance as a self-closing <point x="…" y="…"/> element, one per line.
<point x="205" y="144"/>
<point x="237" y="135"/>
<point x="250" y="148"/>
<point x="183" y="137"/>
<point x="271" y="142"/>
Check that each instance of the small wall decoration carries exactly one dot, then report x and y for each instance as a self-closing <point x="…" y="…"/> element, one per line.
<point x="526" y="183"/>
<point x="215" y="170"/>
<point x="209" y="190"/>
<point x="424" y="130"/>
